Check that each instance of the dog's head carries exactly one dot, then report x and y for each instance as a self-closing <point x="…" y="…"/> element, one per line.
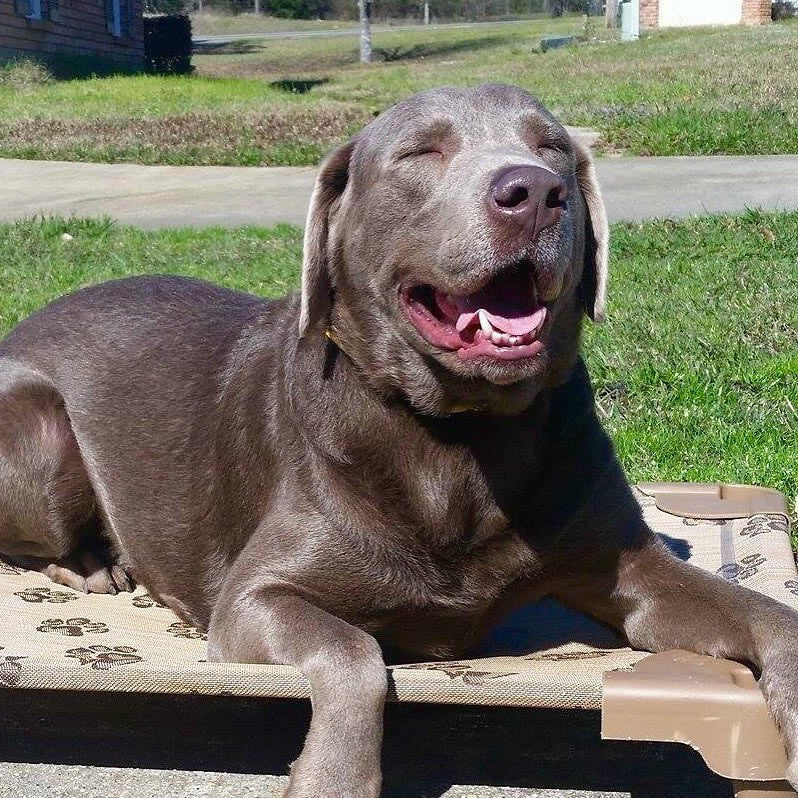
<point x="452" y="247"/>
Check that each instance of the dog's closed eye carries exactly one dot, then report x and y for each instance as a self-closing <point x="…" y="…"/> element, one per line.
<point x="424" y="152"/>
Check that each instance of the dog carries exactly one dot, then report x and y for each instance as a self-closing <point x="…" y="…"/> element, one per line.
<point x="399" y="455"/>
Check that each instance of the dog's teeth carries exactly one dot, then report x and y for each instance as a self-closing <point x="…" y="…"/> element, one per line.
<point x="485" y="324"/>
<point x="496" y="338"/>
<point x="514" y="340"/>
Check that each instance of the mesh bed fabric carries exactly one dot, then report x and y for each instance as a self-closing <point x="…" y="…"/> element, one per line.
<point x="545" y="656"/>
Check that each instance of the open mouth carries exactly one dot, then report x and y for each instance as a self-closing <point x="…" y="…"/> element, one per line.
<point x="502" y="320"/>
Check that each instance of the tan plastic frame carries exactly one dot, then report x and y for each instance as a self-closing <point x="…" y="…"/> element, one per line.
<point x="715" y="706"/>
<point x="714" y="500"/>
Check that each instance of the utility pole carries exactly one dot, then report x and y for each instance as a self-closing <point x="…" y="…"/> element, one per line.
<point x="612" y="13"/>
<point x="365" y="30"/>
<point x="426" y="12"/>
<point x="257" y="6"/>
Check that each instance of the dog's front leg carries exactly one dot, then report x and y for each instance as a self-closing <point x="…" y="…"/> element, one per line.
<point x="341" y="756"/>
<point x="662" y="603"/>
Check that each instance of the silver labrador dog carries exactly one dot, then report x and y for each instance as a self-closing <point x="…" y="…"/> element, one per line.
<point x="401" y="454"/>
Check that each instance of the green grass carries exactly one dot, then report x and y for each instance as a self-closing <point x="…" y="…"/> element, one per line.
<point x="699" y="91"/>
<point x="208" y="23"/>
<point x="168" y="119"/>
<point x="696" y="370"/>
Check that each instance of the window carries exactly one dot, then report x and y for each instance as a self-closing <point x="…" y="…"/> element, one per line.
<point x="37" y="9"/>
<point x="117" y="17"/>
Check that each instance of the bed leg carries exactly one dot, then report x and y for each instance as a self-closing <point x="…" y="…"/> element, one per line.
<point x="763" y="789"/>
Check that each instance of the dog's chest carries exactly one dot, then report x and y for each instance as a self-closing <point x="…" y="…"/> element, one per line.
<point x="430" y="517"/>
<point x="445" y="597"/>
<point x="449" y="556"/>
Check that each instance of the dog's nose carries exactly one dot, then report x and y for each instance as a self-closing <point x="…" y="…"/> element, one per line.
<point x="530" y="196"/>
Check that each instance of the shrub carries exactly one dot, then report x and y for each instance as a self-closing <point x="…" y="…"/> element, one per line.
<point x="24" y="74"/>
<point x="298" y="9"/>
<point x="155" y="7"/>
<point x="167" y="44"/>
<point x="782" y="9"/>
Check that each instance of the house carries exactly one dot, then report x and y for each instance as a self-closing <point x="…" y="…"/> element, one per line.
<point x="101" y="34"/>
<point x="677" y="13"/>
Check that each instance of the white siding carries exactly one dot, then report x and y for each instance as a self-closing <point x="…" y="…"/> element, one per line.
<point x="678" y="13"/>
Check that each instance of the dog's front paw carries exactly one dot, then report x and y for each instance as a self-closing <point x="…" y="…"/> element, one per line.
<point x="787" y="719"/>
<point x="779" y="683"/>
<point x="310" y="782"/>
<point x="307" y="790"/>
<point x="792" y="772"/>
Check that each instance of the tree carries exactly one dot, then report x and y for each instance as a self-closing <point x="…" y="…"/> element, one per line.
<point x="364" y="6"/>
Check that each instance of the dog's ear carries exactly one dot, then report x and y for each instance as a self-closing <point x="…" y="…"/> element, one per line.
<point x="316" y="286"/>
<point x="593" y="289"/>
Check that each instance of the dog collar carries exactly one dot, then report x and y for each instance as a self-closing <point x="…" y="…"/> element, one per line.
<point x="330" y="336"/>
<point x="459" y="407"/>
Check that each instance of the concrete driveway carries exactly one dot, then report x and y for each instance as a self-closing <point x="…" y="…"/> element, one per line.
<point x="177" y="196"/>
<point x="76" y="781"/>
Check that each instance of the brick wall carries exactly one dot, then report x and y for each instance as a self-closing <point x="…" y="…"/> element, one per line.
<point x="756" y="12"/>
<point x="78" y="28"/>
<point x="649" y="13"/>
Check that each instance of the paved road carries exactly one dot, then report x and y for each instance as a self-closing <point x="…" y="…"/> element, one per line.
<point x="226" y="38"/>
<point x="74" y="781"/>
<point x="176" y="196"/>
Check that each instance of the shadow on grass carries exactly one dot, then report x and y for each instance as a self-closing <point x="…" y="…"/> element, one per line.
<point x="439" y="48"/>
<point x="46" y="67"/>
<point x="297" y="85"/>
<point x="238" y="47"/>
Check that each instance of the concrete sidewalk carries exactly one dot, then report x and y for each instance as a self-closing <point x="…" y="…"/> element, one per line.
<point x="177" y="196"/>
<point x="75" y="781"/>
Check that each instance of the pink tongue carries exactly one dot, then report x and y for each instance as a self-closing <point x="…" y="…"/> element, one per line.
<point x="512" y="325"/>
<point x="511" y="315"/>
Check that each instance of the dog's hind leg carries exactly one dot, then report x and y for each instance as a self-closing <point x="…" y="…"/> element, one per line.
<point x="48" y="514"/>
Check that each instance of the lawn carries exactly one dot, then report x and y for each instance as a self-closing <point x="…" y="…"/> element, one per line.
<point x="208" y="23"/>
<point x="700" y="91"/>
<point x="696" y="370"/>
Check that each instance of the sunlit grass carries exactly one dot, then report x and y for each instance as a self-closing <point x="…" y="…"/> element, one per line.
<point x="677" y="92"/>
<point x="696" y="370"/>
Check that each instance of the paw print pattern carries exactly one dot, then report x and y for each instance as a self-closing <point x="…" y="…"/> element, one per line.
<point x="144" y="601"/>
<point x="703" y="521"/>
<point x="40" y="595"/>
<point x="10" y="670"/>
<point x="792" y="586"/>
<point x="103" y="658"/>
<point x="7" y="569"/>
<point x="745" y="569"/>
<point x="764" y="524"/>
<point x="72" y="627"/>
<point x="186" y="630"/>
<point x="462" y="672"/>
<point x="564" y="656"/>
